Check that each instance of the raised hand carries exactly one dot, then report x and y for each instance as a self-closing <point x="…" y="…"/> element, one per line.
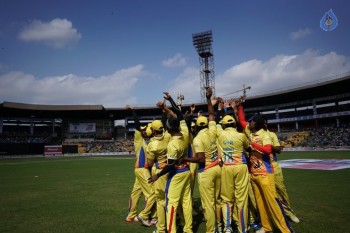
<point x="192" y="108"/>
<point x="209" y="93"/>
<point x="167" y="96"/>
<point x="161" y="104"/>
<point x="227" y="103"/>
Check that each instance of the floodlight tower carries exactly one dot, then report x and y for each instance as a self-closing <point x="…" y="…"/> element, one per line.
<point x="202" y="42"/>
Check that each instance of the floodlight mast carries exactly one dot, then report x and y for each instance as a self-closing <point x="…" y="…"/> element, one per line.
<point x="202" y="42"/>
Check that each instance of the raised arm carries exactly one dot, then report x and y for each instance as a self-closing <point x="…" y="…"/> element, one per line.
<point x="135" y="117"/>
<point x="241" y="116"/>
<point x="177" y="110"/>
<point x="211" y="111"/>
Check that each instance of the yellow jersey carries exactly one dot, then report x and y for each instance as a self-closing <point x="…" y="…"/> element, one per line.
<point x="231" y="145"/>
<point x="205" y="142"/>
<point x="260" y="163"/>
<point x="140" y="146"/>
<point x="157" y="150"/>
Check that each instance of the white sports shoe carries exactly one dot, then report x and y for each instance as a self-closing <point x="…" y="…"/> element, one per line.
<point x="153" y="221"/>
<point x="144" y="221"/>
<point x="294" y="219"/>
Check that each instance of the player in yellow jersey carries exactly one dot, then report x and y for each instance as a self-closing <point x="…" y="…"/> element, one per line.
<point x="191" y="151"/>
<point x="279" y="180"/>
<point x="142" y="175"/>
<point x="178" y="188"/>
<point x="234" y="176"/>
<point x="253" y="213"/>
<point x="209" y="171"/>
<point x="156" y="155"/>
<point x="262" y="176"/>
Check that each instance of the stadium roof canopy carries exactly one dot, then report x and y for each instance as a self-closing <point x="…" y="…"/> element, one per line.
<point x="336" y="88"/>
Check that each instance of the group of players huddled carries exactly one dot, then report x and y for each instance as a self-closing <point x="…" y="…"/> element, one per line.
<point x="240" y="183"/>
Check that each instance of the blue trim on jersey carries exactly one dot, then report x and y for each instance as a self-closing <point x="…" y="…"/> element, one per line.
<point x="170" y="176"/>
<point x="243" y="225"/>
<point x="267" y="163"/>
<point x="244" y="159"/>
<point x="142" y="158"/>
<point x="275" y="156"/>
<point x="189" y="151"/>
<point x="284" y="214"/>
<point x="201" y="167"/>
<point x="228" y="219"/>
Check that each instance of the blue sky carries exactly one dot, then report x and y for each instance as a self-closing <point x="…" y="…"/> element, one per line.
<point x="128" y="52"/>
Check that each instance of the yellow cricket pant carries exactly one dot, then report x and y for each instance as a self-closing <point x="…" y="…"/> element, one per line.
<point x="142" y="175"/>
<point x="281" y="189"/>
<point x="134" y="198"/>
<point x="253" y="209"/>
<point x="209" y="183"/>
<point x="159" y="192"/>
<point x="194" y="171"/>
<point x="269" y="206"/>
<point x="234" y="195"/>
<point x="178" y="193"/>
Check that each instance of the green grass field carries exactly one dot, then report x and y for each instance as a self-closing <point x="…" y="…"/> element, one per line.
<point x="90" y="194"/>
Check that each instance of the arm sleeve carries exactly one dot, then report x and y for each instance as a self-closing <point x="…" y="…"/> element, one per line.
<point x="176" y="109"/>
<point x="164" y="119"/>
<point x="267" y="149"/>
<point x="137" y="121"/>
<point x="241" y="117"/>
<point x="189" y="121"/>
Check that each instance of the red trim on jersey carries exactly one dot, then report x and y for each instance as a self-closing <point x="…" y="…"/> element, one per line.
<point x="267" y="149"/>
<point x="171" y="218"/>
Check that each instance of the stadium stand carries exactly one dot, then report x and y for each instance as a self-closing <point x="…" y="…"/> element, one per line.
<point x="314" y="115"/>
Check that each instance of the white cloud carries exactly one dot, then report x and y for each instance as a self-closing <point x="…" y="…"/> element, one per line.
<point x="113" y="90"/>
<point x="300" y="33"/>
<point x="57" y="33"/>
<point x="120" y="88"/>
<point x="280" y="72"/>
<point x="187" y="84"/>
<point x="176" y="61"/>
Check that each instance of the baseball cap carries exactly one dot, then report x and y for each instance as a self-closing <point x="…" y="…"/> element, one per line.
<point x="202" y="121"/>
<point x="228" y="120"/>
<point x="157" y="125"/>
<point x="149" y="130"/>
